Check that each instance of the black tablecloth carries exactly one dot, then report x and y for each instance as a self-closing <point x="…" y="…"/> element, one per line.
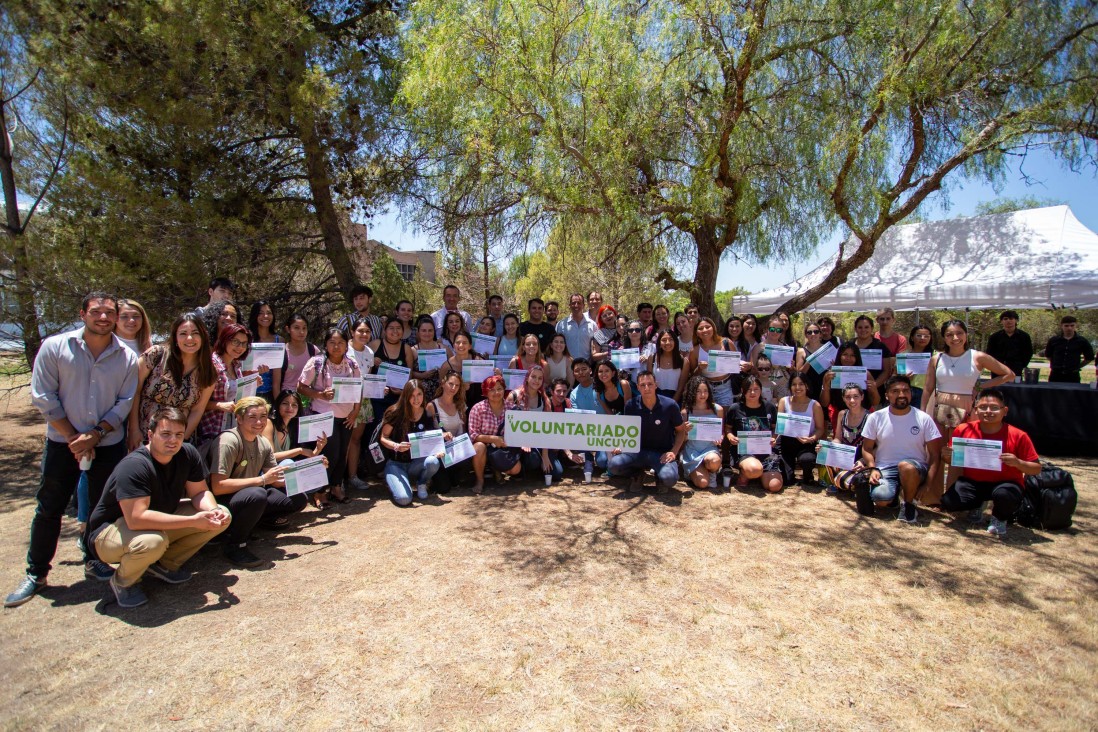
<point x="1059" y="418"/>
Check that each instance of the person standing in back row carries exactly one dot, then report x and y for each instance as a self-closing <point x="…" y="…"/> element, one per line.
<point x="1011" y="346"/>
<point x="83" y="383"/>
<point x="1068" y="352"/>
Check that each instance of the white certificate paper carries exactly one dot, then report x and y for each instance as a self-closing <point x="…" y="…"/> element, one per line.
<point x="348" y="389"/>
<point x="305" y="475"/>
<point x="246" y="386"/>
<point x="847" y="375"/>
<point x="502" y="362"/>
<point x="311" y="426"/>
<point x="373" y="386"/>
<point x="977" y="454"/>
<point x="458" y="449"/>
<point x="836" y="455"/>
<point x="821" y="359"/>
<point x="912" y="363"/>
<point x="395" y="376"/>
<point x="753" y="442"/>
<point x="483" y="344"/>
<point x="722" y="363"/>
<point x="580" y="411"/>
<point x="474" y="372"/>
<point x="626" y="358"/>
<point x="425" y="444"/>
<point x="429" y="359"/>
<point x="872" y="359"/>
<point x="270" y="355"/>
<point x="514" y="377"/>
<point x="779" y="355"/>
<point x="709" y="429"/>
<point x="794" y="425"/>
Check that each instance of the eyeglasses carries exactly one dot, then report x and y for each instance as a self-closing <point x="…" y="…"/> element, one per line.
<point x="776" y="330"/>
<point x="239" y="343"/>
<point x="989" y="408"/>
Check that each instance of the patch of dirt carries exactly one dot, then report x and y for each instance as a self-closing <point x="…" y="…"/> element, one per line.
<point x="575" y="607"/>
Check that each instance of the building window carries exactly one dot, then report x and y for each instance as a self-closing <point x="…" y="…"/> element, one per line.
<point x="407" y="271"/>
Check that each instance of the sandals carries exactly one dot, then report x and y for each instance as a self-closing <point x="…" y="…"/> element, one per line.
<point x="339" y="498"/>
<point x="317" y="499"/>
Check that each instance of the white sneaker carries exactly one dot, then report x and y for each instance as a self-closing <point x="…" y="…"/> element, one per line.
<point x="997" y="527"/>
<point x="421" y="493"/>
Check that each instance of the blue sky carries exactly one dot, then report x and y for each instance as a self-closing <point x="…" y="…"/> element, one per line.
<point x="1041" y="176"/>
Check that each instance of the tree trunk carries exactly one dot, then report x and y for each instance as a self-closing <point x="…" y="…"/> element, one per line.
<point x="27" y="317"/>
<point x="838" y="274"/>
<point x="703" y="291"/>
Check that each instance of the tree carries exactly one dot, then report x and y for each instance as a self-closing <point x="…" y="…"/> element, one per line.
<point x="388" y="285"/>
<point x="737" y="129"/>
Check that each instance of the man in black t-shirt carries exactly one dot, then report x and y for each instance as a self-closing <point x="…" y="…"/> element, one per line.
<point x="1068" y="352"/>
<point x="141" y="524"/>
<point x="536" y="324"/>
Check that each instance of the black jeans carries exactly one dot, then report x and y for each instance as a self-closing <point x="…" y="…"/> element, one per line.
<point x="967" y="494"/>
<point x="60" y="473"/>
<point x="336" y="451"/>
<point x="249" y="505"/>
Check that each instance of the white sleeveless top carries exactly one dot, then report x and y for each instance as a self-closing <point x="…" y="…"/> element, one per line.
<point x="957" y="375"/>
<point x="451" y="423"/>
<point x="556" y="371"/>
<point x="787" y="402"/>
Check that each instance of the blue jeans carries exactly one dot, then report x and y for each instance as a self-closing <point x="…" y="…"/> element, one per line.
<point x="889" y="486"/>
<point x="399" y="477"/>
<point x="628" y="464"/>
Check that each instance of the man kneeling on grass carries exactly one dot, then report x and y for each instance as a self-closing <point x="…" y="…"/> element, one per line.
<point x="661" y="438"/>
<point x="968" y="488"/>
<point x="141" y="524"/>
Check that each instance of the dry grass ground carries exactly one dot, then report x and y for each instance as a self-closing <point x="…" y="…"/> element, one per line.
<point x="578" y="607"/>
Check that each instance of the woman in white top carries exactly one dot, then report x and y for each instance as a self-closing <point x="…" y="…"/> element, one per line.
<point x="801" y="450"/>
<point x="558" y="362"/>
<point x="952" y="376"/>
<point x="364" y="357"/>
<point x="668" y="366"/>
<point x="448" y="409"/>
<point x="684" y="331"/>
<point x="132" y="327"/>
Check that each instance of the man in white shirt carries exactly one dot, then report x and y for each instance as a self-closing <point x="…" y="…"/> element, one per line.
<point x="577" y="329"/>
<point x="451" y="296"/>
<point x="901" y="450"/>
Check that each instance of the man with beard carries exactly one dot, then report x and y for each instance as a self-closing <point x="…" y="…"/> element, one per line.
<point x="901" y="452"/>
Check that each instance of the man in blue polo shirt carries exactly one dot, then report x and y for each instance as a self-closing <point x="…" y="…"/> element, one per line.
<point x="661" y="439"/>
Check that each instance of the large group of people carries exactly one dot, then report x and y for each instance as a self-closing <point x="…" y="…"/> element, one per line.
<point x="148" y="425"/>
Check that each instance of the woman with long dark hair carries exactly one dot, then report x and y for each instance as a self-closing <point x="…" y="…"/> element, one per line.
<point x="230" y="350"/>
<point x="261" y="321"/>
<point x="409" y="415"/>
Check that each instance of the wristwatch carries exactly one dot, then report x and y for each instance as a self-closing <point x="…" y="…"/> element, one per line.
<point x="99" y="431"/>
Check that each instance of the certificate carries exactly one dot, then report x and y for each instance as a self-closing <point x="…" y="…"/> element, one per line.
<point x="580" y="411"/>
<point x="821" y="359"/>
<point x="429" y="359"/>
<point x="306" y="475"/>
<point x="246" y="387"/>
<point x="847" y="375"/>
<point x="753" y="442"/>
<point x="709" y="429"/>
<point x="626" y="358"/>
<point x="271" y="355"/>
<point x="502" y="362"/>
<point x="514" y="378"/>
<point x="779" y="355"/>
<point x="311" y="426"/>
<point x="912" y="363"/>
<point x="794" y="425"/>
<point x="872" y="359"/>
<point x="348" y="389"/>
<point x="395" y="376"/>
<point x="425" y="444"/>
<point x="483" y="344"/>
<point x="836" y="455"/>
<point x="722" y="363"/>
<point x="977" y="454"/>
<point x="373" y="386"/>
<point x="474" y="372"/>
<point x="458" y="449"/>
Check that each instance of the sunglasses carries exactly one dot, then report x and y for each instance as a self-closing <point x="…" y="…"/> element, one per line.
<point x="812" y="332"/>
<point x="634" y="330"/>
<point x="762" y="370"/>
<point x="776" y="330"/>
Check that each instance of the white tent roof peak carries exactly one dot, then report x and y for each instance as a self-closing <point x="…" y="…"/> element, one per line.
<point x="1037" y="258"/>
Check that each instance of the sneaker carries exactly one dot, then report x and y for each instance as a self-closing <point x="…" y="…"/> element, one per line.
<point x="238" y="555"/>
<point x="863" y="498"/>
<point x="908" y="513"/>
<point x="357" y="484"/>
<point x="171" y="576"/>
<point x="131" y="596"/>
<point x="976" y="515"/>
<point x="997" y="527"/>
<point x="636" y="483"/>
<point x="28" y="588"/>
<point x="421" y="492"/>
<point x="98" y="571"/>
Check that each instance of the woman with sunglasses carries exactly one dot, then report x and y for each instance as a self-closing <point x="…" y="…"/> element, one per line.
<point x="777" y="376"/>
<point x="812" y="343"/>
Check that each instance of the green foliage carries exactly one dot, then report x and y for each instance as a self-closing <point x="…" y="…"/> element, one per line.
<point x="388" y="285"/>
<point x="1010" y="205"/>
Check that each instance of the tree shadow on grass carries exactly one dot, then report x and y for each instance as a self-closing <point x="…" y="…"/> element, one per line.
<point x="547" y="533"/>
<point x="167" y="603"/>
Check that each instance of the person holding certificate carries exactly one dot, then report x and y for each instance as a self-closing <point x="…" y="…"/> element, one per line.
<point x="668" y="366"/>
<point x="606" y="338"/>
<point x="231" y="349"/>
<point x="426" y="341"/>
<point x="775" y="379"/>
<point x="707" y="338"/>
<point x="316" y="384"/>
<point x="281" y="429"/>
<point x="812" y="343"/>
<point x="529" y="354"/>
<point x="448" y="410"/>
<point x="531" y="397"/>
<point x="390" y="349"/>
<point x="800" y="449"/>
<point x="848" y="431"/>
<point x="363" y="355"/>
<point x="613" y="392"/>
<point x="408" y="416"/>
<point x="701" y="455"/>
<point x="1003" y="481"/>
<point x="831" y="392"/>
<point x="261" y="326"/>
<point x="880" y="360"/>
<point x="749" y="429"/>
<point x="463" y="351"/>
<point x="920" y="340"/>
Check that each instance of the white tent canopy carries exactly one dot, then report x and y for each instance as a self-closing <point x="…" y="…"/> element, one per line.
<point x="1039" y="258"/>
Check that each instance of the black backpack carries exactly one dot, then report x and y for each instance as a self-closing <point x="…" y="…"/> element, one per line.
<point x="1049" y="499"/>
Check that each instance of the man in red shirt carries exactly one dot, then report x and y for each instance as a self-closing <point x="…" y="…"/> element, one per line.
<point x="968" y="488"/>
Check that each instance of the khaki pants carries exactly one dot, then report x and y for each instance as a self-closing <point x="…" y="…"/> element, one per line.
<point x="134" y="551"/>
